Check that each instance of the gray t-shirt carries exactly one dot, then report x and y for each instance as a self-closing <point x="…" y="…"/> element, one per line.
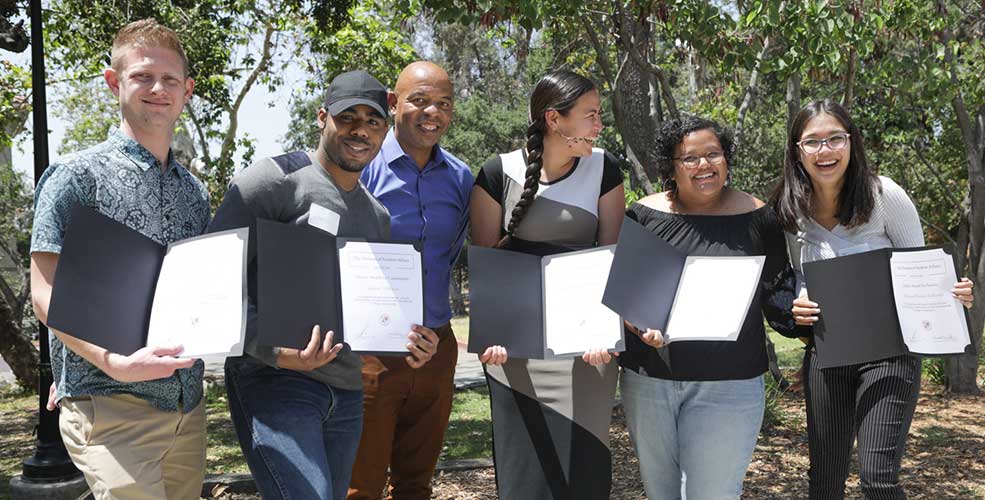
<point x="282" y="189"/>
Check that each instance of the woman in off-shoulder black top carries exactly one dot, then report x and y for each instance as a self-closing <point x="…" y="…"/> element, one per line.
<point x="694" y="407"/>
<point x="752" y="233"/>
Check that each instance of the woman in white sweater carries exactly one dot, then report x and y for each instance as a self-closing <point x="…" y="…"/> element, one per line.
<point x="831" y="203"/>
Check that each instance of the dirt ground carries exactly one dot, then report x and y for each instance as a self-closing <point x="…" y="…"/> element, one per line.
<point x="945" y="457"/>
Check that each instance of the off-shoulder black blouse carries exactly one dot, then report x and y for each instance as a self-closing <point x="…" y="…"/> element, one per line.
<point x="753" y="233"/>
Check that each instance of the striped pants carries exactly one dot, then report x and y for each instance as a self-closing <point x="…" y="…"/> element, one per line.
<point x="873" y="402"/>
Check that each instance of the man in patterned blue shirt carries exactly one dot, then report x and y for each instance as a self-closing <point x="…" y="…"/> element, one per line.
<point x="134" y="425"/>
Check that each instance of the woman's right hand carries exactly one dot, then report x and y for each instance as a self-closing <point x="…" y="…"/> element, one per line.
<point x="650" y="337"/>
<point x="494" y="355"/>
<point x="804" y="311"/>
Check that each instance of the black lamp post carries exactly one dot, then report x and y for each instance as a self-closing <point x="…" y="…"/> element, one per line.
<point x="49" y="473"/>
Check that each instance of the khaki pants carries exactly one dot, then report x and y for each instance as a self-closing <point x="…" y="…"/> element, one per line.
<point x="406" y="412"/>
<point x="129" y="450"/>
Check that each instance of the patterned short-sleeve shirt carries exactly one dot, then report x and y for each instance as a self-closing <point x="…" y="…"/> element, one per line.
<point x="122" y="180"/>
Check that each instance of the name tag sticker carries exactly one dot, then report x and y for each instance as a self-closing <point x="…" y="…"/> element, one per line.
<point x="323" y="218"/>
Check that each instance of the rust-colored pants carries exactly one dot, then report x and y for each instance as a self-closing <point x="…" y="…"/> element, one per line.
<point x="406" y="413"/>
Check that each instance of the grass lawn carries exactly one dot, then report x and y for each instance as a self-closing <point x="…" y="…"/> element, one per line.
<point x="789" y="352"/>
<point x="469" y="433"/>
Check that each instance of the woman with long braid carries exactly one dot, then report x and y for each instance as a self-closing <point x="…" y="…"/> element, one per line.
<point x="551" y="417"/>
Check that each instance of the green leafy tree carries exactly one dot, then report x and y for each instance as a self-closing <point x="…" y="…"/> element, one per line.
<point x="369" y="42"/>
<point x="15" y="217"/>
<point x="233" y="46"/>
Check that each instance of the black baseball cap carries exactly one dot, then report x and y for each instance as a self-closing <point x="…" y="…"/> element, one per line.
<point x="353" y="88"/>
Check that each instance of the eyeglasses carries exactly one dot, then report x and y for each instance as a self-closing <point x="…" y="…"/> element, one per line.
<point x="835" y="142"/>
<point x="692" y="161"/>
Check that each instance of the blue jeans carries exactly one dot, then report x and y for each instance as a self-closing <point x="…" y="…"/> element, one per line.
<point x="299" y="436"/>
<point x="694" y="440"/>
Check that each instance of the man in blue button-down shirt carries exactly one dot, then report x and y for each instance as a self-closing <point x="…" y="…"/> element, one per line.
<point x="426" y="191"/>
<point x="134" y="425"/>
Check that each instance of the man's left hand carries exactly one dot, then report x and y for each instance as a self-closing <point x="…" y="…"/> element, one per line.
<point x="422" y="346"/>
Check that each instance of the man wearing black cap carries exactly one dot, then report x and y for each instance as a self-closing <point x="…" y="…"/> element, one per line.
<point x="298" y="413"/>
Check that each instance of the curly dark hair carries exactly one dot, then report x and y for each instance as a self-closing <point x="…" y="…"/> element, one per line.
<point x="672" y="132"/>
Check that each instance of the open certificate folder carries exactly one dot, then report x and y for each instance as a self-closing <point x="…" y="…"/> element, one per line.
<point x="653" y="285"/>
<point x="369" y="293"/>
<point x="884" y="303"/>
<point x="541" y="307"/>
<point x="120" y="290"/>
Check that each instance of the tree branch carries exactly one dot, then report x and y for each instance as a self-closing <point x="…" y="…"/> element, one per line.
<point x="972" y="150"/>
<point x="849" y="98"/>
<point x="9" y="294"/>
<point x="200" y="133"/>
<point x="937" y="175"/>
<point x="941" y="230"/>
<point x="639" y="174"/>
<point x="749" y="94"/>
<point x="229" y="141"/>
<point x="602" y="56"/>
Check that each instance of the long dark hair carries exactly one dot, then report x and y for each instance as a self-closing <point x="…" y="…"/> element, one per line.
<point x="792" y="197"/>
<point x="557" y="90"/>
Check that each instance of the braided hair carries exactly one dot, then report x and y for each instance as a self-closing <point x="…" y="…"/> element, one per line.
<point x="557" y="90"/>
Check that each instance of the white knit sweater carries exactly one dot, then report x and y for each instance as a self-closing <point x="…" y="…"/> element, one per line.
<point x="893" y="223"/>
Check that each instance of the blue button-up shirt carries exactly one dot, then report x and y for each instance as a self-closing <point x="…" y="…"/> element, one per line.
<point x="430" y="204"/>
<point x="123" y="181"/>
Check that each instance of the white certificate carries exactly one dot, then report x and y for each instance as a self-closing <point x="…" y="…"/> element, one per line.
<point x="575" y="319"/>
<point x="931" y="319"/>
<point x="200" y="299"/>
<point x="382" y="293"/>
<point x="713" y="297"/>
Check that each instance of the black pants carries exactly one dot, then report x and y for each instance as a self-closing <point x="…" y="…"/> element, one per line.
<point x="871" y="401"/>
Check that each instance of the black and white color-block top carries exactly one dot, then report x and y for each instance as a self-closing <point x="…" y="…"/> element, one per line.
<point x="551" y="417"/>
<point x="566" y="212"/>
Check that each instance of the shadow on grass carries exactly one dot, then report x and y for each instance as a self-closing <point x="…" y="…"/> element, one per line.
<point x="469" y="433"/>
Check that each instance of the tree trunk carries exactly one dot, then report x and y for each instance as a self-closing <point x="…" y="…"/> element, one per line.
<point x="456" y="297"/>
<point x="963" y="370"/>
<point x="16" y="348"/>
<point x="635" y="118"/>
<point x="849" y="97"/>
<point x="793" y="97"/>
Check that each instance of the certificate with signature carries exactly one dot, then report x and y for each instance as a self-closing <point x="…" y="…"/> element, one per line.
<point x="884" y="303"/>
<point x="541" y="307"/>
<point x="122" y="291"/>
<point x="931" y="319"/>
<point x="368" y="293"/>
<point x="381" y="286"/>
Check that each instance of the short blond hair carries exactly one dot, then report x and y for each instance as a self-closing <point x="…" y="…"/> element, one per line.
<point x="145" y="33"/>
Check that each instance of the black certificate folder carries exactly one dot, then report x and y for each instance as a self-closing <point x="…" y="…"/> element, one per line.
<point x="540" y="307"/>
<point x="859" y="320"/>
<point x="303" y="280"/>
<point x="104" y="283"/>
<point x="644" y="277"/>
<point x="120" y="290"/>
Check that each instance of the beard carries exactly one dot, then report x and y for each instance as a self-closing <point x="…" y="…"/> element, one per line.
<point x="335" y="155"/>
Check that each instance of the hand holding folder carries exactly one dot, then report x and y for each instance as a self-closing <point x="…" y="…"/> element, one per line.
<point x="122" y="291"/>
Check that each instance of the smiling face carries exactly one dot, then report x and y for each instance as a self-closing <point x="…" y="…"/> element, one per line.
<point x="827" y="166"/>
<point x="581" y="125"/>
<point x="700" y="168"/>
<point x="352" y="138"/>
<point x="152" y="88"/>
<point x="422" y="106"/>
